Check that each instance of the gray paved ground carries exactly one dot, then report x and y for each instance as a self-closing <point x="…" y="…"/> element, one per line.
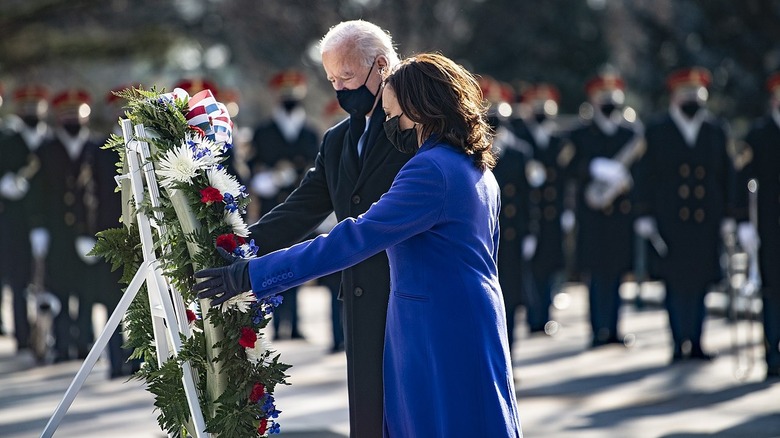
<point x="563" y="388"/>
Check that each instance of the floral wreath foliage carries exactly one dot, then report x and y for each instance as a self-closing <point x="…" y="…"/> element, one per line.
<point x="189" y="139"/>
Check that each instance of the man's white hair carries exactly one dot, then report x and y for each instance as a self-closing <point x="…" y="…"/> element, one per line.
<point x="367" y="39"/>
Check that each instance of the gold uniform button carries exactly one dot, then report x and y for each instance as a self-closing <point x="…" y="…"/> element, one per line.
<point x="699" y="192"/>
<point x="510" y="190"/>
<point x="549" y="212"/>
<point x="698" y="215"/>
<point x="69" y="198"/>
<point x="510" y="234"/>
<point x="510" y="211"/>
<point x="685" y="170"/>
<point x="700" y="172"/>
<point x="685" y="213"/>
<point x="550" y="193"/>
<point x="684" y="191"/>
<point x="70" y="218"/>
<point x="625" y="206"/>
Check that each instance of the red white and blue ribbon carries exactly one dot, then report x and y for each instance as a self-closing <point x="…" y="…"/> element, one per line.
<point x="210" y="116"/>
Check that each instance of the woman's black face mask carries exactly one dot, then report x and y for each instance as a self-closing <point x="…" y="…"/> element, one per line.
<point x="403" y="140"/>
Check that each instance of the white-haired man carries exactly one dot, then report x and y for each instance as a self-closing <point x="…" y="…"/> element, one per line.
<point x="355" y="165"/>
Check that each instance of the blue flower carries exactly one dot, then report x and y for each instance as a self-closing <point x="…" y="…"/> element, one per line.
<point x="274" y="429"/>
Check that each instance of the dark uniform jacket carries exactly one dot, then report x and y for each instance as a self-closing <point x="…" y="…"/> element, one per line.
<point x="340" y="181"/>
<point x="15" y="257"/>
<point x="604" y="236"/>
<point x="513" y="220"/>
<point x="59" y="204"/>
<point x="546" y="205"/>
<point x="270" y="147"/>
<point x="687" y="190"/>
<point x="764" y="142"/>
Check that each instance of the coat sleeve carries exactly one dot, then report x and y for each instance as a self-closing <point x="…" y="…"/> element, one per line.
<point x="300" y="214"/>
<point x="413" y="205"/>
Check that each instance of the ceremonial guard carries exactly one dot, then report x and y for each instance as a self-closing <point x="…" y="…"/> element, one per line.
<point x="509" y="171"/>
<point x="59" y="218"/>
<point x="24" y="132"/>
<point x="762" y="164"/>
<point x="551" y="155"/>
<point x="682" y="192"/>
<point x="606" y="148"/>
<point x="283" y="149"/>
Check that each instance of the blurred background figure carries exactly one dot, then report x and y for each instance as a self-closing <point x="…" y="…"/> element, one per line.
<point x="283" y="148"/>
<point x="23" y="133"/>
<point x="60" y="221"/>
<point x="104" y="210"/>
<point x="551" y="155"/>
<point x="682" y="189"/>
<point x="763" y="166"/>
<point x="509" y="171"/>
<point x="606" y="148"/>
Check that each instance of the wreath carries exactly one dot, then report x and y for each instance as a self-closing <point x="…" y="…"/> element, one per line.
<point x="201" y="206"/>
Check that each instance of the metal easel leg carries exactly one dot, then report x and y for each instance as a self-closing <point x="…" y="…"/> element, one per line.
<point x="94" y="354"/>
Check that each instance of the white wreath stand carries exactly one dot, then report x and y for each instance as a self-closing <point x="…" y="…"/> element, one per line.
<point x="167" y="327"/>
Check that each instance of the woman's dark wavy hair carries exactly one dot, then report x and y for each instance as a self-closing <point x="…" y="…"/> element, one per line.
<point x="447" y="101"/>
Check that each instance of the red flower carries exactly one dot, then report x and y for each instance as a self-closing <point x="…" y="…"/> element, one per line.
<point x="258" y="391"/>
<point x="229" y="242"/>
<point x="191" y="316"/>
<point x="263" y="426"/>
<point x="210" y="195"/>
<point x="197" y="130"/>
<point x="248" y="337"/>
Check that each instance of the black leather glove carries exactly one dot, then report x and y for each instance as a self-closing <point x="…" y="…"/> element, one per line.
<point x="229" y="281"/>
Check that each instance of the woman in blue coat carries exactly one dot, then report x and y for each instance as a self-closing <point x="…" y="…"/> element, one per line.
<point x="447" y="371"/>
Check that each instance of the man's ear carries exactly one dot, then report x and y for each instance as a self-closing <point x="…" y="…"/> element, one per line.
<point x="381" y="63"/>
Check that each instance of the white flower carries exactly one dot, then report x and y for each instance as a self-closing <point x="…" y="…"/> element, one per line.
<point x="255" y="354"/>
<point x="237" y="223"/>
<point x="224" y="182"/>
<point x="178" y="165"/>
<point x="204" y="150"/>
<point x="241" y="302"/>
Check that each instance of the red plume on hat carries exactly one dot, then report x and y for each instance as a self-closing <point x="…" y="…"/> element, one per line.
<point x="689" y="77"/>
<point x="773" y="83"/>
<point x="30" y="93"/>
<point x="289" y="83"/>
<point x="541" y="91"/>
<point x="194" y="85"/>
<point x="604" y="82"/>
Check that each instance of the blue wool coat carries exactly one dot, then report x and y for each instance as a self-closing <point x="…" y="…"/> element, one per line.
<point x="447" y="371"/>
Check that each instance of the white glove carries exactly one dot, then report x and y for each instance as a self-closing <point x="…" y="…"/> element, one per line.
<point x="568" y="220"/>
<point x="645" y="227"/>
<point x="264" y="184"/>
<point x="529" y="246"/>
<point x="12" y="187"/>
<point x="39" y="242"/>
<point x="748" y="237"/>
<point x="84" y="245"/>
<point x="607" y="170"/>
<point x="285" y="175"/>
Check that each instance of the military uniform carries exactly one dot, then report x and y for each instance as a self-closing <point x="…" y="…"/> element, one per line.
<point x="683" y="183"/>
<point x="283" y="149"/>
<point x="60" y="204"/>
<point x="19" y="142"/>
<point x="763" y="164"/>
<point x="554" y="153"/>
<point x="604" y="248"/>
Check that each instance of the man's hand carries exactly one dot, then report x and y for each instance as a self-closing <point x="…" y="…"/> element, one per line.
<point x="228" y="281"/>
